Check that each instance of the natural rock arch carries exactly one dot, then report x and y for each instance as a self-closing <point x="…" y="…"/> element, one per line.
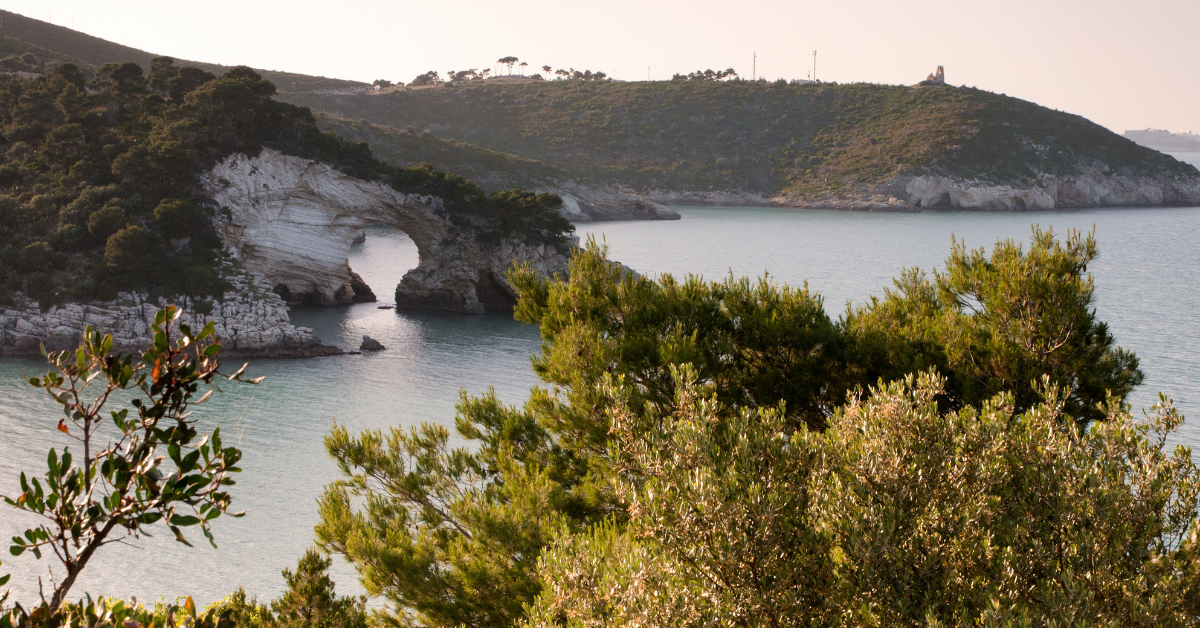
<point x="293" y="220"/>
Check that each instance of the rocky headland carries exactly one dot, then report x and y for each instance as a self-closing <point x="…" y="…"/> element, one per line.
<point x="287" y="224"/>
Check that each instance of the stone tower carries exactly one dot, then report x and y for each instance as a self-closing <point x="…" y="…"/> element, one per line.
<point x="937" y="78"/>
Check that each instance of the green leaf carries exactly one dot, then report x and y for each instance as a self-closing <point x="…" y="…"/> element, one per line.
<point x="179" y="536"/>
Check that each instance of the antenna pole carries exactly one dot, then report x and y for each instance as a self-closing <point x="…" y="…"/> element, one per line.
<point x="814" y="65"/>
<point x="754" y="68"/>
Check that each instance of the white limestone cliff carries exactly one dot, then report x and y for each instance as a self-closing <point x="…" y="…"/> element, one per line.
<point x="1093" y="187"/>
<point x="250" y="321"/>
<point x="585" y="203"/>
<point x="293" y="220"/>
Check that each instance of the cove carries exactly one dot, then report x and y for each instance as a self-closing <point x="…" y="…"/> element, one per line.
<point x="1146" y="285"/>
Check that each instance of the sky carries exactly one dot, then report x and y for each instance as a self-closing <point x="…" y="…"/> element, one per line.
<point x="1123" y="64"/>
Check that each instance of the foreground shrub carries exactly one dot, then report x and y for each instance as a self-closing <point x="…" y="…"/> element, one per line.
<point x="452" y="536"/>
<point x="135" y="467"/>
<point x="900" y="514"/>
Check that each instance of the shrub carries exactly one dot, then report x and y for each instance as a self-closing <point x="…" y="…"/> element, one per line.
<point x="178" y="218"/>
<point x="38" y="256"/>
<point x="900" y="514"/>
<point x="452" y="536"/>
<point x="70" y="237"/>
<point x="111" y="489"/>
<point x="310" y="600"/>
<point x="38" y="285"/>
<point x="132" y="250"/>
<point x="106" y="221"/>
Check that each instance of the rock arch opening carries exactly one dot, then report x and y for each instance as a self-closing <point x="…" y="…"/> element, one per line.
<point x="294" y="221"/>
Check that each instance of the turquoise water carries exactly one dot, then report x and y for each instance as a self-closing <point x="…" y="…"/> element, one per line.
<point x="1147" y="289"/>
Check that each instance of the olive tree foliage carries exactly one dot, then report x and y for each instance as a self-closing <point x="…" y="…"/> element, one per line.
<point x="128" y="469"/>
<point x="431" y="527"/>
<point x="899" y="514"/>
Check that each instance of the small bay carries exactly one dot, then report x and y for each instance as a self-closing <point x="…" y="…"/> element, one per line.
<point x="1147" y="289"/>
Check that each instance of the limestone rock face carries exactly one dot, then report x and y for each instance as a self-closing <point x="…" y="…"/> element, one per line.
<point x="292" y="220"/>
<point x="1094" y="186"/>
<point x="288" y="224"/>
<point x="1090" y="188"/>
<point x="468" y="277"/>
<point x="250" y="321"/>
<point x="583" y="203"/>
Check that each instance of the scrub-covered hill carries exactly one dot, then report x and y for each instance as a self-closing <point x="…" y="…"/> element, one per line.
<point x="53" y="43"/>
<point x="824" y="144"/>
<point x="492" y="170"/>
<point x="100" y="181"/>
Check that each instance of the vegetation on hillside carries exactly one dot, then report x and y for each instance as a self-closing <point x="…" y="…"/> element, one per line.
<point x="726" y="454"/>
<point x="52" y="42"/>
<point x="771" y="138"/>
<point x="101" y="191"/>
<point x="492" y="170"/>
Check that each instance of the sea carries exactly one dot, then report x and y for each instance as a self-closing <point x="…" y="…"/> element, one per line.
<point x="1147" y="280"/>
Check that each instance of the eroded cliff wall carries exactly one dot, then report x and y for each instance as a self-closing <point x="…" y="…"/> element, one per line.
<point x="250" y="321"/>
<point x="293" y="220"/>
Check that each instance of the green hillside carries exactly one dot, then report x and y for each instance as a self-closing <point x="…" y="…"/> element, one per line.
<point x="58" y="44"/>
<point x="770" y="138"/>
<point x="492" y="170"/>
<point x="100" y="181"/>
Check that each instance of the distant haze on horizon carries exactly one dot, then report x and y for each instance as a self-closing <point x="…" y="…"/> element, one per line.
<point x="1124" y="65"/>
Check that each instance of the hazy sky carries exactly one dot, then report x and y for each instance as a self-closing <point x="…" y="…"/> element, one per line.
<point x="1124" y="64"/>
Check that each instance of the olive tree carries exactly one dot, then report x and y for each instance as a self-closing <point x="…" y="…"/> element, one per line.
<point x="154" y="468"/>
<point x="899" y="514"/>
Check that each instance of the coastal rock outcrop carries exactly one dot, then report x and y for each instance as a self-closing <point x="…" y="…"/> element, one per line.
<point x="1092" y="187"/>
<point x="293" y="220"/>
<point x="1095" y="186"/>
<point x="584" y="203"/>
<point x="250" y="320"/>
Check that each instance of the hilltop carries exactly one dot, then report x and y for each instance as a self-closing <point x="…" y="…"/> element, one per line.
<point x="787" y="144"/>
<point x="54" y="44"/>
<point x="854" y="146"/>
<point x="1163" y="140"/>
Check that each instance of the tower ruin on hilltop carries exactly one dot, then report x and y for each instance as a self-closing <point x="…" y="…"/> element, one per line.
<point x="937" y="78"/>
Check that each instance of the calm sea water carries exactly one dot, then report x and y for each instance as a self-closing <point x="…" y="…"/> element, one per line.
<point x="1147" y="289"/>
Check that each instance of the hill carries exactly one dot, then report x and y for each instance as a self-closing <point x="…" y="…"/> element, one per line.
<point x="787" y="144"/>
<point x="495" y="171"/>
<point x="492" y="170"/>
<point x="1159" y="139"/>
<point x="100" y="183"/>
<point x="59" y="44"/>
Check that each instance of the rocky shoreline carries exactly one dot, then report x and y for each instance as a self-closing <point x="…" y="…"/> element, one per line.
<point x="1090" y="187"/>
<point x="251" y="321"/>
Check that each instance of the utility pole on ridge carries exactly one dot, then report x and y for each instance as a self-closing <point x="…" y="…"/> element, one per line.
<point x="814" y="65"/>
<point x="754" y="68"/>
